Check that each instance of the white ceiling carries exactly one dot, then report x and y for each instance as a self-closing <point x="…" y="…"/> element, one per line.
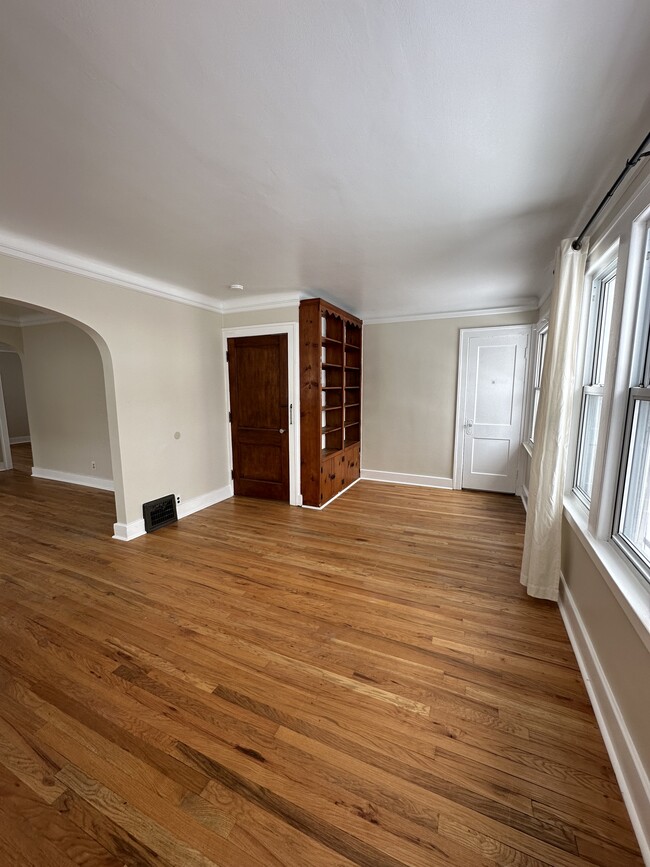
<point x="398" y="156"/>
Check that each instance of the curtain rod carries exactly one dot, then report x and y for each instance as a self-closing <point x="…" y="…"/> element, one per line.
<point x="639" y="154"/>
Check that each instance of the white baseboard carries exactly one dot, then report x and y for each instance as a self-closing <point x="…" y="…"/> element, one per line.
<point x="631" y="776"/>
<point x="15" y="440"/>
<point x="195" y="504"/>
<point x="406" y="479"/>
<point x="73" y="479"/>
<point x="335" y="497"/>
<point x="127" y="532"/>
<point x="524" y="497"/>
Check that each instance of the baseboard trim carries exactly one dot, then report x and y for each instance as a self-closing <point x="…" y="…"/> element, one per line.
<point x="524" y="497"/>
<point x="406" y="479"/>
<point x="14" y="441"/>
<point x="134" y="529"/>
<point x="331" y="500"/>
<point x="127" y="532"/>
<point x="631" y="776"/>
<point x="203" y="501"/>
<point x="73" y="479"/>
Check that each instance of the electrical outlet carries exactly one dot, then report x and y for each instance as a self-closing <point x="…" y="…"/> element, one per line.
<point x="93" y="465"/>
<point x="178" y="500"/>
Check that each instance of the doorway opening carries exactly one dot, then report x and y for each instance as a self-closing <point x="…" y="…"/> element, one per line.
<point x="492" y="376"/>
<point x="56" y="412"/>
<point x="264" y="442"/>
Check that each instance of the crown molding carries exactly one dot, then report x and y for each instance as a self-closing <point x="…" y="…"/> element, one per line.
<point x="39" y="253"/>
<point x="526" y="306"/>
<point x="30" y="250"/>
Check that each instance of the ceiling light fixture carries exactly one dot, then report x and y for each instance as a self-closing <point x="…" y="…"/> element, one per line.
<point x="236" y="287"/>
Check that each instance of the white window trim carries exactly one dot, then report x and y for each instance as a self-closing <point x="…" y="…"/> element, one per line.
<point x="595" y="527"/>
<point x="538" y="330"/>
<point x="617" y="386"/>
<point x="590" y="338"/>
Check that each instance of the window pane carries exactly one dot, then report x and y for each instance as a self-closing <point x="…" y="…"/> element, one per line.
<point x="635" y="520"/>
<point x="536" y="395"/>
<point x="588" y="437"/>
<point x="541" y="356"/>
<point x="604" y="325"/>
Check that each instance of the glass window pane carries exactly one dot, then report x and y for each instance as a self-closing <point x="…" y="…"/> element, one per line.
<point x="635" y="519"/>
<point x="607" y="302"/>
<point x="536" y="395"/>
<point x="541" y="355"/>
<point x="588" y="438"/>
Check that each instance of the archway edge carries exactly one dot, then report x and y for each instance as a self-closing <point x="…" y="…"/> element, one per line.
<point x="166" y="368"/>
<point x="60" y="311"/>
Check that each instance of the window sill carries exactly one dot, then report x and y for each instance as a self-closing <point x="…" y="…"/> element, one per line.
<point x="631" y="591"/>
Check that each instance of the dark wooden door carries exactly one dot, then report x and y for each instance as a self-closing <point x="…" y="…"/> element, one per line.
<point x="259" y="405"/>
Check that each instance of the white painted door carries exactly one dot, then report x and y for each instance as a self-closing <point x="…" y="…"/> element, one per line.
<point x="495" y="368"/>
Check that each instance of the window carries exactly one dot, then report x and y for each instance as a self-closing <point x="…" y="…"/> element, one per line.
<point x="540" y="356"/>
<point x="632" y="521"/>
<point x="600" y="318"/>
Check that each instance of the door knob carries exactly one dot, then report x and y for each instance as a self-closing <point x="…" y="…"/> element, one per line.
<point x="282" y="430"/>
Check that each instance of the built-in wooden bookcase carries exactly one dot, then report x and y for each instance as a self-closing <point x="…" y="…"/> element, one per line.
<point x="330" y="400"/>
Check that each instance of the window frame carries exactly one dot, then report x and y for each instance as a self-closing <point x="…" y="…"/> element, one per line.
<point x="599" y="333"/>
<point x="638" y="392"/>
<point x="537" y="368"/>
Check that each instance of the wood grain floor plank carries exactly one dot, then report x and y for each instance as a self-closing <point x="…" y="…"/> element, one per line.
<point x="45" y="822"/>
<point x="265" y="685"/>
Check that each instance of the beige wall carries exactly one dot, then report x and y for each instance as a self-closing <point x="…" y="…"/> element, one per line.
<point x="262" y="317"/>
<point x="13" y="389"/>
<point x="409" y="392"/>
<point x="12" y="336"/>
<point x="619" y="649"/>
<point x="163" y="373"/>
<point x="66" y="397"/>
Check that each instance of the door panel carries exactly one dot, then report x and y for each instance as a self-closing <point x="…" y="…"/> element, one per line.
<point x="495" y="384"/>
<point x="259" y="401"/>
<point x="493" y="407"/>
<point x="489" y="456"/>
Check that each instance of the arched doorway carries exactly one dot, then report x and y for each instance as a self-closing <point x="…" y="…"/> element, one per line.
<point x="69" y="398"/>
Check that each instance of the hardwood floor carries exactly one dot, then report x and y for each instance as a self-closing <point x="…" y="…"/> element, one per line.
<point x="265" y="685"/>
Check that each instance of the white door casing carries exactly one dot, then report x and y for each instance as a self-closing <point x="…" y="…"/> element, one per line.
<point x="293" y="350"/>
<point x="491" y="397"/>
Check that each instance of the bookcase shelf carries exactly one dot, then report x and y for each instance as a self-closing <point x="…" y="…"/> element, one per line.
<point x="330" y="400"/>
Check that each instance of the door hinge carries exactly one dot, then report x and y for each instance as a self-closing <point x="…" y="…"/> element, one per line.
<point x="227" y="356"/>
<point x="230" y="417"/>
<point x="290" y="413"/>
<point x="232" y="474"/>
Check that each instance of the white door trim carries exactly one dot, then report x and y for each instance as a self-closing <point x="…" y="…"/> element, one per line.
<point x="5" y="445"/>
<point x="461" y="393"/>
<point x="293" y="346"/>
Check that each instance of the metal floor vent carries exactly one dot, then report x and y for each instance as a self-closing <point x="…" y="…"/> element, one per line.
<point x="159" y="513"/>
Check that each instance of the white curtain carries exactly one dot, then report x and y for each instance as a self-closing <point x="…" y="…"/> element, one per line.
<point x="540" y="569"/>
